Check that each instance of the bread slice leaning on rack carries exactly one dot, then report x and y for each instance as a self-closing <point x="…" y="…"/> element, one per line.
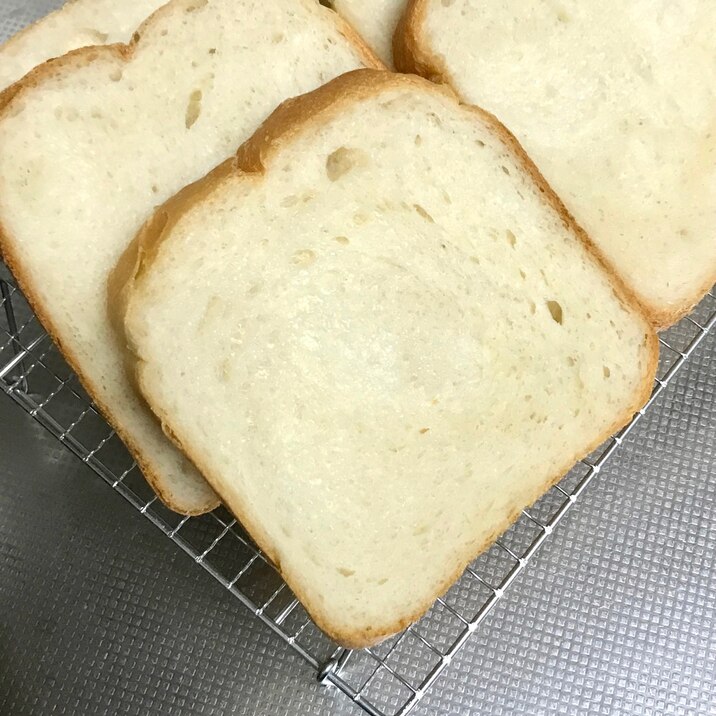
<point x="380" y="336"/>
<point x="91" y="142"/>
<point x="616" y="104"/>
<point x="79" y="23"/>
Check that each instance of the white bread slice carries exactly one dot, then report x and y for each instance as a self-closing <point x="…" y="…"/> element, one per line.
<point x="92" y="142"/>
<point x="79" y="23"/>
<point x="380" y="336"/>
<point x="375" y="20"/>
<point x="616" y="104"/>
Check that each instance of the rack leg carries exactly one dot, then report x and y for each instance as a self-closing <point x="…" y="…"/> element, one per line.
<point x="334" y="665"/>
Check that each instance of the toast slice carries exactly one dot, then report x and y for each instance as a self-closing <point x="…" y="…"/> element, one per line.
<point x="616" y="104"/>
<point x="375" y="20"/>
<point x="79" y="23"/>
<point x="91" y="142"/>
<point x="380" y="336"/>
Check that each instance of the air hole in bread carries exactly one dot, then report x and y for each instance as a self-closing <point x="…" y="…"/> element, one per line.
<point x="290" y="200"/>
<point x="115" y="75"/>
<point x="223" y="371"/>
<point x="606" y="371"/>
<point x="342" y="240"/>
<point x="304" y="257"/>
<point x="523" y="275"/>
<point x="97" y="35"/>
<point x="555" y="311"/>
<point x="479" y="143"/>
<point x="533" y="307"/>
<point x="505" y="170"/>
<point x="418" y="140"/>
<point x="511" y="239"/>
<point x="475" y="260"/>
<point x="193" y="108"/>
<point x="277" y="38"/>
<point x="345" y="572"/>
<point x="343" y="160"/>
<point x="422" y="212"/>
<point x="196" y="5"/>
<point x="563" y="15"/>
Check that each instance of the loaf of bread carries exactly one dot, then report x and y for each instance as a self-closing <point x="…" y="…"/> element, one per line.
<point x="380" y="336"/>
<point x="616" y="104"/>
<point x="91" y="142"/>
<point x="79" y="23"/>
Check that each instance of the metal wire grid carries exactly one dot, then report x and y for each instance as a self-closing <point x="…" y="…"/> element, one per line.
<point x="387" y="680"/>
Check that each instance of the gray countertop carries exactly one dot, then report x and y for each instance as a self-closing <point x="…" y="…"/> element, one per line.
<point x="616" y="614"/>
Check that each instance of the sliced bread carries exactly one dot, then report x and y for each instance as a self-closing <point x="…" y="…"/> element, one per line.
<point x="380" y="336"/>
<point x="615" y="102"/>
<point x="375" y="20"/>
<point x="78" y="23"/>
<point x="91" y="142"/>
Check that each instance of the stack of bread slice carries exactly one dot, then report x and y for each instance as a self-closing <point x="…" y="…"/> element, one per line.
<point x="92" y="141"/>
<point x="360" y="316"/>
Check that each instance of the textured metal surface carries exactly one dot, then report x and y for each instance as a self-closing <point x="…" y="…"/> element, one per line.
<point x="102" y="614"/>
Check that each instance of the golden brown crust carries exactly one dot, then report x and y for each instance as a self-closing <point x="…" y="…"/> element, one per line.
<point x="408" y="52"/>
<point x="663" y="318"/>
<point x="368" y="57"/>
<point x="291" y="118"/>
<point x="411" y="53"/>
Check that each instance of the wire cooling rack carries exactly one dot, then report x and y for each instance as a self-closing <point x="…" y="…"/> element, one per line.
<point x="387" y="680"/>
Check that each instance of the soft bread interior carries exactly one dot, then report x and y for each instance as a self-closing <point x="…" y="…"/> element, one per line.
<point x="381" y="344"/>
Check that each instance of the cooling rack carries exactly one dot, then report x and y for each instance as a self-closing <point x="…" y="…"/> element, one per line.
<point x="387" y="680"/>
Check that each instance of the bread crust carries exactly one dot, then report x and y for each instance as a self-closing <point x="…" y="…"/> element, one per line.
<point x="411" y="54"/>
<point x="33" y="81"/>
<point x="291" y="118"/>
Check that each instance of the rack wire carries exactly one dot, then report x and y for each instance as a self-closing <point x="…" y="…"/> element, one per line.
<point x="387" y="680"/>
